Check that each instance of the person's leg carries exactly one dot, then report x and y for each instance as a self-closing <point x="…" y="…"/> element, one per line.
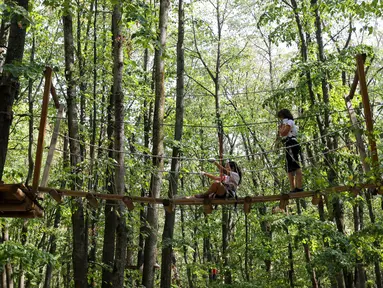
<point x="215" y="187"/>
<point x="298" y="179"/>
<point x="291" y="180"/>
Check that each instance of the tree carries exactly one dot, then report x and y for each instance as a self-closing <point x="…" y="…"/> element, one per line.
<point x="167" y="235"/>
<point x="158" y="148"/>
<point x="9" y="85"/>
<point x="80" y="245"/>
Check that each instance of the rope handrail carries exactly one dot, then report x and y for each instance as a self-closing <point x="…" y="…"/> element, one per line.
<point x="198" y="159"/>
<point x="214" y="126"/>
<point x="243" y="170"/>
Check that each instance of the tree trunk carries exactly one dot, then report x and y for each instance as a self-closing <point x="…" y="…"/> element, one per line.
<point x="148" y="109"/>
<point x="24" y="232"/>
<point x="119" y="139"/>
<point x="4" y="33"/>
<point x="9" y="84"/>
<point x="366" y="169"/>
<point x="110" y="213"/>
<point x="158" y="150"/>
<point x="167" y="236"/>
<point x="8" y="266"/>
<point x="80" y="245"/>
<point x="52" y="239"/>
<point x="291" y="260"/>
<point x="306" y="249"/>
<point x="52" y="249"/>
<point x="184" y="248"/>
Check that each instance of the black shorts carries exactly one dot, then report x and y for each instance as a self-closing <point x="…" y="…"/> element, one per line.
<point x="293" y="151"/>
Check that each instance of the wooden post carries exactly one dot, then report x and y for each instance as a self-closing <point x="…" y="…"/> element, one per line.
<point x="367" y="113"/>
<point x="52" y="147"/>
<point x="55" y="195"/>
<point x="169" y="208"/>
<point x="92" y="200"/>
<point x="43" y="122"/>
<point x="247" y="204"/>
<point x="207" y="207"/>
<point x="316" y="198"/>
<point x="128" y="201"/>
<point x="284" y="201"/>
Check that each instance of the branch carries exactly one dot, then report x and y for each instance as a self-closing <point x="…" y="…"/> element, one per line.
<point x="200" y="84"/>
<point x="200" y="56"/>
<point x="372" y="78"/>
<point x="349" y="36"/>
<point x="288" y="4"/>
<point x="231" y="58"/>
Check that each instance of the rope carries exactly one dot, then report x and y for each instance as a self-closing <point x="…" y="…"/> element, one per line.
<point x="214" y="126"/>
<point x="244" y="170"/>
<point x="197" y="159"/>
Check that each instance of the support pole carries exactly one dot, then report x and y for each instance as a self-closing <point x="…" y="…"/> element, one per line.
<point x="43" y="122"/>
<point x="52" y="146"/>
<point x="367" y="113"/>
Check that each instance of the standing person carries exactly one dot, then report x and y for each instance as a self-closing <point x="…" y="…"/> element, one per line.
<point x="288" y="132"/>
<point x="225" y="186"/>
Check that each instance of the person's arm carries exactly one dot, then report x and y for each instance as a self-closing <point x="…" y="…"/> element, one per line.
<point x="219" y="166"/>
<point x="211" y="176"/>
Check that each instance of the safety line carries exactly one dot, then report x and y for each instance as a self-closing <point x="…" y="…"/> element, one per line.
<point x="197" y="159"/>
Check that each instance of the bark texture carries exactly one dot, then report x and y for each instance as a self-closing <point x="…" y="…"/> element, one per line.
<point x="167" y="236"/>
<point x="9" y="84"/>
<point x="80" y="245"/>
<point x="158" y="150"/>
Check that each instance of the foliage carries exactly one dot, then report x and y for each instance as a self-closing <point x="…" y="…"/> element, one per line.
<point x="248" y="54"/>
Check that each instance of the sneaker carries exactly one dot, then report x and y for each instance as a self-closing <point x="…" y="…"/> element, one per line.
<point x="298" y="190"/>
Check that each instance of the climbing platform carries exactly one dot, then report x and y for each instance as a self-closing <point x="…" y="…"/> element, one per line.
<point x="18" y="201"/>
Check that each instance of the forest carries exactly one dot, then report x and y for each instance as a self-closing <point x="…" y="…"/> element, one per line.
<point x="142" y="95"/>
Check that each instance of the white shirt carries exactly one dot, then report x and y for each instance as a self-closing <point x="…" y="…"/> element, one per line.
<point x="231" y="180"/>
<point x="293" y="129"/>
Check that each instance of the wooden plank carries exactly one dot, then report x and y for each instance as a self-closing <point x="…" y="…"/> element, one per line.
<point x="52" y="147"/>
<point x="43" y="122"/>
<point x="367" y="113"/>
<point x="27" y="214"/>
<point x="199" y="201"/>
<point x="25" y="206"/>
<point x="12" y="191"/>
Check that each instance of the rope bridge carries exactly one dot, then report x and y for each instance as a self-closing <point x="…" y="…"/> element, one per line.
<point x="17" y="200"/>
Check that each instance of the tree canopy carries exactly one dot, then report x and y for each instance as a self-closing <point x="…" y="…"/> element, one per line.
<point x="151" y="90"/>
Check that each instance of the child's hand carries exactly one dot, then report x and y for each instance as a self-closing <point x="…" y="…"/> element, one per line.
<point x="202" y="173"/>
